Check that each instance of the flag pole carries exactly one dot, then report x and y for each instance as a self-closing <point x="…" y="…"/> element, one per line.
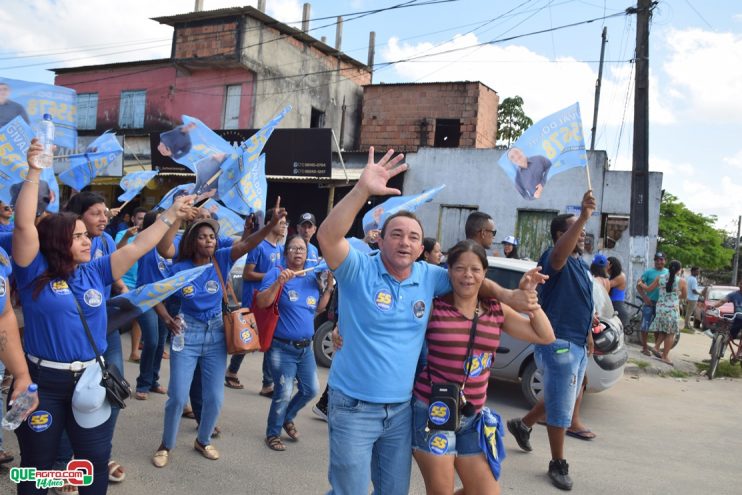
<point x="587" y="172"/>
<point x="307" y="270"/>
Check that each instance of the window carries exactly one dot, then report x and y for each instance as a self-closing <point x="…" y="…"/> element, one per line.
<point x="317" y="119"/>
<point x="232" y="107"/>
<point x="131" y="111"/>
<point x="612" y="229"/>
<point x="447" y="133"/>
<point x="87" y="110"/>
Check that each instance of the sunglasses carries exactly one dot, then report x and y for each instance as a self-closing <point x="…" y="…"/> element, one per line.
<point x="7" y="208"/>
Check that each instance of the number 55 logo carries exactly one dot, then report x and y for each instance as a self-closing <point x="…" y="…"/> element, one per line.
<point x="84" y="466"/>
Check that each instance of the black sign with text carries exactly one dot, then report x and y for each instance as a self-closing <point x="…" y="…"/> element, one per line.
<point x="288" y="152"/>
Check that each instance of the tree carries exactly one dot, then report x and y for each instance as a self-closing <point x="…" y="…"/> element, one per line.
<point x="511" y="119"/>
<point x="691" y="237"/>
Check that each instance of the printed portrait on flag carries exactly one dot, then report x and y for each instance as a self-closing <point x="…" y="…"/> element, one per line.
<point x="550" y="146"/>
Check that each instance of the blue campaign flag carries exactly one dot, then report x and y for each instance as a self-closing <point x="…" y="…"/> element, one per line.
<point x="133" y="182"/>
<point x="84" y="167"/>
<point x="167" y="200"/>
<point x="15" y="139"/>
<point x="230" y="223"/>
<point x="550" y="146"/>
<point x="374" y="219"/>
<point x="124" y="308"/>
<point x="30" y="101"/>
<point x="250" y="194"/>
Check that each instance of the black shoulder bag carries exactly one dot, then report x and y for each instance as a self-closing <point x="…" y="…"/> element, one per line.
<point x="117" y="388"/>
<point x="447" y="400"/>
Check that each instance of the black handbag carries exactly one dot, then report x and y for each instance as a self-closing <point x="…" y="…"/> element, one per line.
<point x="447" y="400"/>
<point x="117" y="388"/>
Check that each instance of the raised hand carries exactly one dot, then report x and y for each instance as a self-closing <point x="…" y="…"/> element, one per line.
<point x="278" y="213"/>
<point x="375" y="176"/>
<point x="34" y="153"/>
<point x="181" y="207"/>
<point x="589" y="204"/>
<point x="532" y="279"/>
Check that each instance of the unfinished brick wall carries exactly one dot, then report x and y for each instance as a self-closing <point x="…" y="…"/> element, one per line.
<point x="403" y="116"/>
<point x="217" y="38"/>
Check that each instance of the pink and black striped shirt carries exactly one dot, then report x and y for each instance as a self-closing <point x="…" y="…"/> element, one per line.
<point x="448" y="337"/>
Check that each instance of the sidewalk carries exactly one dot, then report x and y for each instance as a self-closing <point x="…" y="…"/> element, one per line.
<point x="692" y="348"/>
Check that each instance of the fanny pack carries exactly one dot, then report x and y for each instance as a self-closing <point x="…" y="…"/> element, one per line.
<point x="447" y="400"/>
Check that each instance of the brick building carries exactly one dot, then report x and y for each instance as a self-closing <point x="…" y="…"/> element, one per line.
<point x="409" y="116"/>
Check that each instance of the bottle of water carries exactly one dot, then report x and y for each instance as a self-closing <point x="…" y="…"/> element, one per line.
<point x="45" y="135"/>
<point x="179" y="338"/>
<point x="21" y="406"/>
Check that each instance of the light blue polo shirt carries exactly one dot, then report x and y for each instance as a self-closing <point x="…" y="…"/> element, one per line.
<point x="383" y="325"/>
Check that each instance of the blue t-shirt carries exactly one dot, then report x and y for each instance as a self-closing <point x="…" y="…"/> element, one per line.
<point x="312" y="256"/>
<point x="649" y="276"/>
<point x="382" y="321"/>
<point x="202" y="298"/>
<point x="264" y="257"/>
<point x="736" y="299"/>
<point x="7" y="228"/>
<point x="297" y="305"/>
<point x="52" y="328"/>
<point x="692" y="288"/>
<point x="567" y="298"/>
<point x="5" y="271"/>
<point x="152" y="268"/>
<point x="100" y="246"/>
<point x="130" y="277"/>
<point x="6" y="242"/>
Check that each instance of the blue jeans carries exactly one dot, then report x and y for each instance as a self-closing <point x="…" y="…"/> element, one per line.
<point x="461" y="443"/>
<point x="51" y="418"/>
<point x="154" y="333"/>
<point x="205" y="346"/>
<point x="364" y="434"/>
<point x="648" y="311"/>
<point x="287" y="362"/>
<point x="563" y="365"/>
<point x="236" y="362"/>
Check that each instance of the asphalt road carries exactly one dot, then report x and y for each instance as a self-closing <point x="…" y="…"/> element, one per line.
<point x="655" y="435"/>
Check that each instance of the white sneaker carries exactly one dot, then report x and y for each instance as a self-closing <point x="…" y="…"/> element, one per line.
<point x="319" y="412"/>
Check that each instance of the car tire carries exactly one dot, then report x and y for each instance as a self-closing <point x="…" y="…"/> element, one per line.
<point x="322" y="344"/>
<point x="531" y="383"/>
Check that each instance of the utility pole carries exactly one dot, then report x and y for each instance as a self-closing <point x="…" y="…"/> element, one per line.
<point x="640" y="169"/>
<point x="597" y="88"/>
<point x="736" y="252"/>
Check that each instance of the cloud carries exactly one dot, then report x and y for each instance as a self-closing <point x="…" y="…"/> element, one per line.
<point x="702" y="76"/>
<point x="734" y="160"/>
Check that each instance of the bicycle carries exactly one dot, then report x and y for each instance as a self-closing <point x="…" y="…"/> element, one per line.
<point x="635" y="321"/>
<point x="722" y="339"/>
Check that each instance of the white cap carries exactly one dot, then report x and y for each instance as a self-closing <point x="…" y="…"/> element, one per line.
<point x="89" y="404"/>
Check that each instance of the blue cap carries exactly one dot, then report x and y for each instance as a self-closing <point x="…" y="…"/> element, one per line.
<point x="600" y="260"/>
<point x="46" y="116"/>
<point x="89" y="404"/>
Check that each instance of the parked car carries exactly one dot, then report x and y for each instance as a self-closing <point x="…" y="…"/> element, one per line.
<point x="709" y="296"/>
<point x="515" y="362"/>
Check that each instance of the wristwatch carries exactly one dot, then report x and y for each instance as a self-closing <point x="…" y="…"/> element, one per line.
<point x="166" y="220"/>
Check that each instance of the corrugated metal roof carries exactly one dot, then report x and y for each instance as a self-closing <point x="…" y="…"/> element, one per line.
<point x="134" y="63"/>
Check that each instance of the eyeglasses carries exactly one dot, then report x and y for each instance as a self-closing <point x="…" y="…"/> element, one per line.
<point x="7" y="208"/>
<point x="296" y="249"/>
<point x="493" y="232"/>
<point x="79" y="235"/>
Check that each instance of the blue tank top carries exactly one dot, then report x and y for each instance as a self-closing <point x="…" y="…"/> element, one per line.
<point x="617" y="294"/>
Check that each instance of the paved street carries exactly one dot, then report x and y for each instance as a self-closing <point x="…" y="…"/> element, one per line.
<point x="655" y="435"/>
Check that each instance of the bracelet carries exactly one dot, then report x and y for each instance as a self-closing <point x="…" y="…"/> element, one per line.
<point x="166" y="220"/>
<point x="31" y="181"/>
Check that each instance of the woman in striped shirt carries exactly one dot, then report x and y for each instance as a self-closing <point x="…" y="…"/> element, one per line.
<point x="438" y="453"/>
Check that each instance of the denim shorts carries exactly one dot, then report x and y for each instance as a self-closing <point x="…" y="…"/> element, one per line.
<point x="563" y="366"/>
<point x="648" y="312"/>
<point x="464" y="442"/>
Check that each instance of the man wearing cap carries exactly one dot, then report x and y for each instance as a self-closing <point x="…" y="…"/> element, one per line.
<point x="307" y="228"/>
<point x="650" y="299"/>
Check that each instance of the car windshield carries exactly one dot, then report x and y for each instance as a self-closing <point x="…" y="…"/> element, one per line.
<point x="716" y="294"/>
<point x="507" y="278"/>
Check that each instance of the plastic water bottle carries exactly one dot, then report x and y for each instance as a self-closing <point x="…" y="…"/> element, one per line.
<point x="45" y="135"/>
<point x="179" y="338"/>
<point x="21" y="406"/>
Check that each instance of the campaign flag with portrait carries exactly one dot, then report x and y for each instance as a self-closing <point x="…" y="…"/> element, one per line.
<point x="31" y="100"/>
<point x="374" y="219"/>
<point x="84" y="167"/>
<point x="124" y="308"/>
<point x="180" y="190"/>
<point x="230" y="223"/>
<point x="550" y="146"/>
<point x="133" y="183"/>
<point x="15" y="139"/>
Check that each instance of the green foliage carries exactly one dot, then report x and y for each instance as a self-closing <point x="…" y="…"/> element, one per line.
<point x="511" y="119"/>
<point x="725" y="369"/>
<point x="691" y="237"/>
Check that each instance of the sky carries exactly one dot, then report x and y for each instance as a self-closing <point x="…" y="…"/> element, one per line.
<point x="695" y="64"/>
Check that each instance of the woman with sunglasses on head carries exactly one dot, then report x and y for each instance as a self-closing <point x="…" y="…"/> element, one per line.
<point x="205" y="345"/>
<point x="455" y="357"/>
<point x="290" y="355"/>
<point x="56" y="276"/>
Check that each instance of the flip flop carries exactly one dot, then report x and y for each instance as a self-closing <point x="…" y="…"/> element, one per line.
<point x="656" y="353"/>
<point x="114" y="466"/>
<point x="646" y="353"/>
<point x="233" y="382"/>
<point x="581" y="434"/>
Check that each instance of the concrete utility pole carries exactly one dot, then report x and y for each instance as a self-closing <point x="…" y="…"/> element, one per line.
<point x="371" y="52"/>
<point x="736" y="252"/>
<point x="597" y="88"/>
